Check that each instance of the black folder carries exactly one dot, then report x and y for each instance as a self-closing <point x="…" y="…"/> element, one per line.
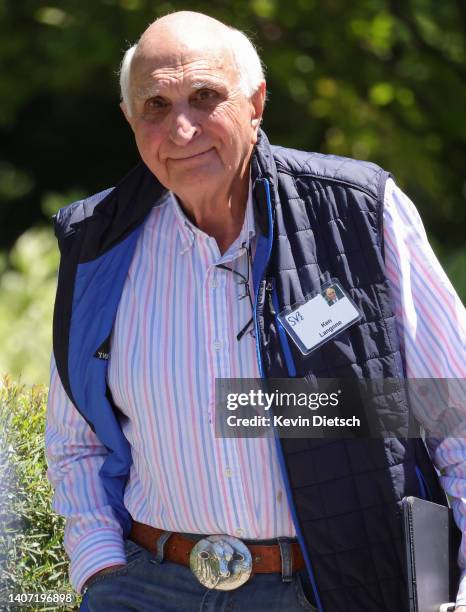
<point x="431" y="543"/>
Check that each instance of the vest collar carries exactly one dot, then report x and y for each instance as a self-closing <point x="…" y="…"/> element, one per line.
<point x="121" y="211"/>
<point x="263" y="168"/>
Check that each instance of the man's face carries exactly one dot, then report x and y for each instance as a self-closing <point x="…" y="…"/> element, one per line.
<point x="193" y="126"/>
<point x="331" y="293"/>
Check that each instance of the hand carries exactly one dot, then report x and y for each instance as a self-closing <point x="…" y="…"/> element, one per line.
<point x="105" y="570"/>
<point x="460" y="609"/>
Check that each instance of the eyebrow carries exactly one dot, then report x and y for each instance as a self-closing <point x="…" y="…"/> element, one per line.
<point x="151" y="91"/>
<point x="207" y="84"/>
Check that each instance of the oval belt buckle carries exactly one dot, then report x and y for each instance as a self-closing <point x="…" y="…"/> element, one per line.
<point x="221" y="562"/>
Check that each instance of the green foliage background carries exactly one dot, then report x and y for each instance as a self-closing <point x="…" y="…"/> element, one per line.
<point x="32" y="559"/>
<point x="383" y="80"/>
<point x="374" y="79"/>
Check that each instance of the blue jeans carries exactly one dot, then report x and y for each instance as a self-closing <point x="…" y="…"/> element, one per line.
<point x="147" y="585"/>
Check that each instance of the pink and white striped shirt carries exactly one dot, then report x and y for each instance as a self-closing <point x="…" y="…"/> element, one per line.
<point x="174" y="334"/>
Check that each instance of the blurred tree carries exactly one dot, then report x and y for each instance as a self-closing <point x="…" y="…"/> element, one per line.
<point x="374" y="79"/>
<point x="27" y="292"/>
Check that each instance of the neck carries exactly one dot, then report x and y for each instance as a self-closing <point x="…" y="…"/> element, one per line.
<point x="220" y="215"/>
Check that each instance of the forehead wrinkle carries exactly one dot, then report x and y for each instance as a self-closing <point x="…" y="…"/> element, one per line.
<point x="216" y="69"/>
<point x="177" y="63"/>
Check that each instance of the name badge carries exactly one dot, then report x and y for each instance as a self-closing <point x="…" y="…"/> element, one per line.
<point x="320" y="318"/>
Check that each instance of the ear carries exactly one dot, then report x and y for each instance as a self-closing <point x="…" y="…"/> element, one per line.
<point x="126" y="114"/>
<point x="257" y="106"/>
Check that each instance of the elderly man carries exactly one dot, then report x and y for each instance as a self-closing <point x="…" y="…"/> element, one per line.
<point x="331" y="295"/>
<point x="150" y="311"/>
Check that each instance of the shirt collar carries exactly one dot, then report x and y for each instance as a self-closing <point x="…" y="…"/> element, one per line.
<point x="189" y="232"/>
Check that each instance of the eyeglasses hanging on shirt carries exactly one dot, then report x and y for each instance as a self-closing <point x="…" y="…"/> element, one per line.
<point x="244" y="283"/>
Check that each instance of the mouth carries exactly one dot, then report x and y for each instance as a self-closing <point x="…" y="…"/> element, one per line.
<point x="188" y="157"/>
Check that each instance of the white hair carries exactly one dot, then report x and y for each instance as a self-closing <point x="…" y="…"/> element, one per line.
<point x="125" y="73"/>
<point x="248" y="64"/>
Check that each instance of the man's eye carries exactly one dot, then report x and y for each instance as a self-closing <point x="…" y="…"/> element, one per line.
<point x="206" y="95"/>
<point x="155" y="104"/>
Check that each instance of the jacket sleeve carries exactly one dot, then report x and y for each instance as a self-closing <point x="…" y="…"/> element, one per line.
<point x="93" y="536"/>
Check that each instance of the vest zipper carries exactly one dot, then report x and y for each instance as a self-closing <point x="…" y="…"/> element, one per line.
<point x="269" y="292"/>
<point x="269" y="286"/>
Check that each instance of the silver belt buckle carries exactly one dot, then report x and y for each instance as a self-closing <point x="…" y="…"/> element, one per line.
<point x="221" y="562"/>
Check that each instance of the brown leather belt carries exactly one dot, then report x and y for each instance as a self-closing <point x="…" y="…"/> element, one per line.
<point x="266" y="559"/>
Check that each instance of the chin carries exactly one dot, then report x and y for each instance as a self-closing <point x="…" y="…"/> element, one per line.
<point x="209" y="178"/>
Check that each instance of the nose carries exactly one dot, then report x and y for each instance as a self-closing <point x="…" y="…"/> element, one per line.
<point x="183" y="129"/>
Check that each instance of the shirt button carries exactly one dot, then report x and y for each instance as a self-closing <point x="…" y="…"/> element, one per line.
<point x="217" y="345"/>
<point x="228" y="472"/>
<point x="214" y="284"/>
<point x="239" y="532"/>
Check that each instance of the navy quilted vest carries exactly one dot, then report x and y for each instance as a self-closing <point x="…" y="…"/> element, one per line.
<point x="345" y="493"/>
